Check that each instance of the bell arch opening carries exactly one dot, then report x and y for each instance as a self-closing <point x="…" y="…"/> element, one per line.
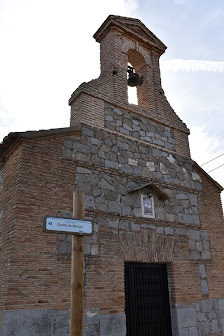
<point x="139" y="93"/>
<point x="132" y="91"/>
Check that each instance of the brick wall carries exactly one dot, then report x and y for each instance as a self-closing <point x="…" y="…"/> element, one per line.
<point x="212" y="221"/>
<point x="8" y="209"/>
<point x="37" y="184"/>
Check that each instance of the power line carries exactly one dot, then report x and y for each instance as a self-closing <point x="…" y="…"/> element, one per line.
<point x="216" y="168"/>
<point x="212" y="160"/>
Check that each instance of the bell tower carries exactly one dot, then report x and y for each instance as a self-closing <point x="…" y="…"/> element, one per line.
<point x="124" y="41"/>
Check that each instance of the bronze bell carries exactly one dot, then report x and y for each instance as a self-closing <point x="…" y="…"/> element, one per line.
<point x="133" y="78"/>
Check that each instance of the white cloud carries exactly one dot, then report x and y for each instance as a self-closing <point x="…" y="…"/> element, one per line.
<point x="191" y="65"/>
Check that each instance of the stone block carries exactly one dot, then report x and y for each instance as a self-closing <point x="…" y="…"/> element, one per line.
<point x="150" y="165"/>
<point x="87" y="248"/>
<point x="92" y="316"/>
<point x="66" y="153"/>
<point x="132" y="162"/>
<point x="168" y="230"/>
<point x="196" y="220"/>
<point x="146" y="172"/>
<point x="204" y="287"/>
<point x="183" y="332"/>
<point x="164" y="170"/>
<point x="206" y="245"/>
<point x="113" y="223"/>
<point x="79" y="147"/>
<point x="206" y="306"/>
<point x="204" y="235"/>
<point x="124" y="130"/>
<point x="198" y="307"/>
<point x="212" y="315"/>
<point x="202" y="271"/>
<point x="28" y="322"/>
<point x="195" y="177"/>
<point x="215" y="327"/>
<point x="127" y="127"/>
<point x="194" y="255"/>
<point x="195" y="235"/>
<point x="222" y="323"/>
<point x="103" y="184"/>
<point x="111" y="164"/>
<point x="182" y="197"/>
<point x="137" y="212"/>
<point x="126" y="210"/>
<point x="108" y="118"/>
<point x="221" y="308"/>
<point x="62" y="321"/>
<point x="157" y="153"/>
<point x="67" y="143"/>
<point x="89" y="202"/>
<point x="192" y="244"/>
<point x="201" y="316"/>
<point x="181" y="232"/>
<point x="95" y="249"/>
<point x="170" y="217"/>
<point x="171" y="158"/>
<point x="188" y="218"/>
<point x="206" y="255"/>
<point x="113" y="325"/>
<point x="199" y="246"/>
<point x="114" y="206"/>
<point x="135" y="122"/>
<point x="204" y="328"/>
<point x="62" y="331"/>
<point x="89" y="331"/>
<point x="137" y="171"/>
<point x="135" y="227"/>
<point x="159" y="229"/>
<point x="127" y="168"/>
<point x="193" y="331"/>
<point x="160" y="213"/>
<point x="186" y="317"/>
<point x="95" y="141"/>
<point x="117" y="111"/>
<point x="193" y="199"/>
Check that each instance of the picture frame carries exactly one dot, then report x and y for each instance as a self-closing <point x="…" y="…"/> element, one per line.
<point x="147" y="206"/>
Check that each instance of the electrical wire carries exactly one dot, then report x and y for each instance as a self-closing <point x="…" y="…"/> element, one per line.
<point x="212" y="159"/>
<point x="216" y="168"/>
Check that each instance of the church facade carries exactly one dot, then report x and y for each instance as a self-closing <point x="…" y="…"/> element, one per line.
<point x="155" y="263"/>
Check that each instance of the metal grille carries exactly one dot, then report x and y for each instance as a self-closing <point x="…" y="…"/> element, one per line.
<point x="147" y="300"/>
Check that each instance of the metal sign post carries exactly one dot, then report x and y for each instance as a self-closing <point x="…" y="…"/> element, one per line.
<point x="78" y="227"/>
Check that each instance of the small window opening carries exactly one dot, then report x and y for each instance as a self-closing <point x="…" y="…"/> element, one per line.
<point x="132" y="93"/>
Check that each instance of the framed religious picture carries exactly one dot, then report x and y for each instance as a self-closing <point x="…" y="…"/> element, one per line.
<point x="147" y="206"/>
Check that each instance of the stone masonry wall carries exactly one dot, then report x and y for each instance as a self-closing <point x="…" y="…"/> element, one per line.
<point x="130" y="156"/>
<point x="112" y="193"/>
<point x="140" y="128"/>
<point x="203" y="319"/>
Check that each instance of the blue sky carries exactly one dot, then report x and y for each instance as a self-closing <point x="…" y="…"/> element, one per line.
<point x="47" y="51"/>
